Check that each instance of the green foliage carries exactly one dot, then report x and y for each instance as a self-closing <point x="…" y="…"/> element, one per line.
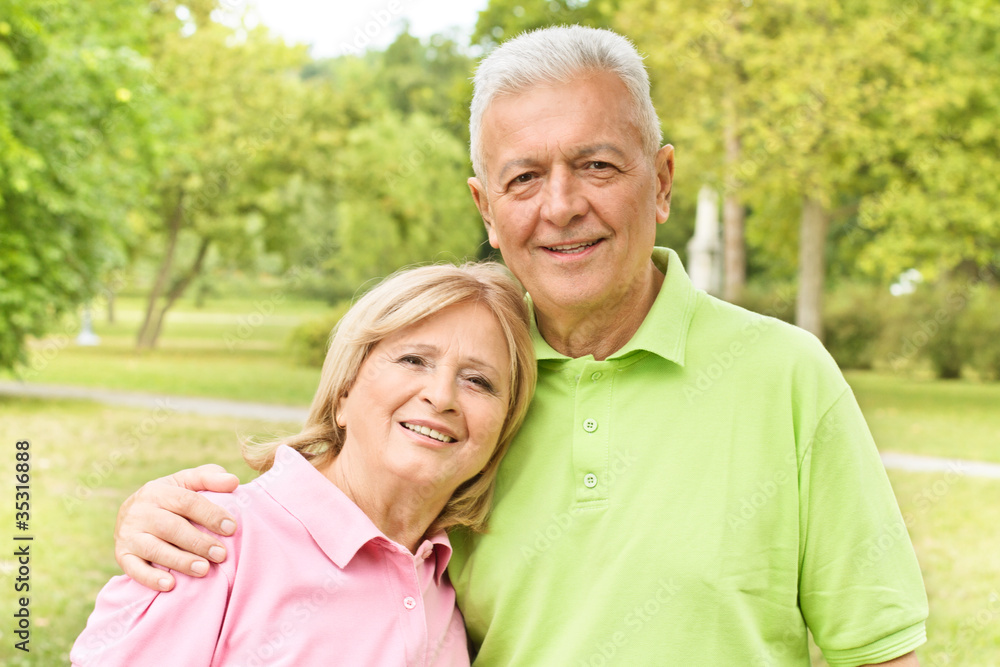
<point x="877" y="110"/>
<point x="923" y="326"/>
<point x="772" y="299"/>
<point x="504" y="19"/>
<point x="854" y="317"/>
<point x="310" y="340"/>
<point x="403" y="197"/>
<point x="70" y="132"/>
<point x="979" y="331"/>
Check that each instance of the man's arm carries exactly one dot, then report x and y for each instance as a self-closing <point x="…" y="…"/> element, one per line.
<point x="908" y="660"/>
<point x="153" y="525"/>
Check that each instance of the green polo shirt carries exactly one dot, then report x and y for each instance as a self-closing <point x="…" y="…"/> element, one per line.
<point x="698" y="498"/>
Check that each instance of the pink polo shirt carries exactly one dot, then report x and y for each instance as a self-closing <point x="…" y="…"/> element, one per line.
<point x="309" y="580"/>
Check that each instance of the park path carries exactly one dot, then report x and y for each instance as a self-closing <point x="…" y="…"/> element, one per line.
<point x="281" y="413"/>
<point x="194" y="405"/>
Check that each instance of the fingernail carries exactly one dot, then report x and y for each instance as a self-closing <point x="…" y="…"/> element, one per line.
<point x="227" y="526"/>
<point x="164" y="584"/>
<point x="199" y="567"/>
<point x="218" y="554"/>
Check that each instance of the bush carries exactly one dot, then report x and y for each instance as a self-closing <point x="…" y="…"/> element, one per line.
<point x="978" y="331"/>
<point x="924" y="325"/>
<point x="774" y="300"/>
<point x="309" y="341"/>
<point x="853" y="323"/>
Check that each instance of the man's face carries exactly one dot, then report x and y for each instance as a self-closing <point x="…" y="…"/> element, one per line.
<point x="571" y="200"/>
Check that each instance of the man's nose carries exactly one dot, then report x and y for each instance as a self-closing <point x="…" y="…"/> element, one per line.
<point x="562" y="198"/>
<point x="440" y="391"/>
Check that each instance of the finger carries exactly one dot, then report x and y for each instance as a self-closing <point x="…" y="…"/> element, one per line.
<point x="208" y="477"/>
<point x="156" y="550"/>
<point x="144" y="573"/>
<point x="193" y="507"/>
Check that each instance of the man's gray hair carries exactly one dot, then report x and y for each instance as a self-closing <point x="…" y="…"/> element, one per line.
<point x="557" y="55"/>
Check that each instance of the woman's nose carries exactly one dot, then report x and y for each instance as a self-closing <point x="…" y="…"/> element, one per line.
<point x="440" y="391"/>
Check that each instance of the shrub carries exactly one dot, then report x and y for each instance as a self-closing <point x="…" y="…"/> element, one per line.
<point x="853" y="323"/>
<point x="774" y="300"/>
<point x="978" y="332"/>
<point x="924" y="325"/>
<point x="309" y="341"/>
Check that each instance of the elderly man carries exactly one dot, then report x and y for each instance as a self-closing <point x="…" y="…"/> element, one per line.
<point x="695" y="484"/>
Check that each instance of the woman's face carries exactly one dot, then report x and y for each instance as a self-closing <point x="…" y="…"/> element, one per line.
<point x="430" y="401"/>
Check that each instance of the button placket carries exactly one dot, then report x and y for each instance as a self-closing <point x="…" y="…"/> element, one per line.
<point x="592" y="402"/>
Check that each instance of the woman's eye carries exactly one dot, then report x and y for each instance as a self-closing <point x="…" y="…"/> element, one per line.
<point x="481" y="382"/>
<point x="412" y="360"/>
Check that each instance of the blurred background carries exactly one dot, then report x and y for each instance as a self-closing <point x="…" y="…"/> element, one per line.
<point x="191" y="193"/>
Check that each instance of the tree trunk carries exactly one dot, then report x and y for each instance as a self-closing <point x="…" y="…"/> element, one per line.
<point x="176" y="290"/>
<point x="812" y="266"/>
<point x="111" y="307"/>
<point x="734" y="254"/>
<point x="173" y="230"/>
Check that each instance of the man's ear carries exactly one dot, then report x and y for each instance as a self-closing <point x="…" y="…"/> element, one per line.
<point x="483" y="204"/>
<point x="665" y="182"/>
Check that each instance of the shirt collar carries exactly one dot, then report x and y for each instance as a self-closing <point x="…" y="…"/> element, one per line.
<point x="664" y="330"/>
<point x="337" y="525"/>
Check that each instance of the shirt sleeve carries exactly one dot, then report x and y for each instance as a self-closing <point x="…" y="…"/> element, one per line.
<point x="133" y="626"/>
<point x="860" y="590"/>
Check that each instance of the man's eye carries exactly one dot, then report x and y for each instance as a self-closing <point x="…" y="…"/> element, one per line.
<point x="523" y="178"/>
<point x="597" y="164"/>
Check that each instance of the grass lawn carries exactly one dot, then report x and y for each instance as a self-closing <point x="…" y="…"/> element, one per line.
<point x="83" y="464"/>
<point x="955" y="419"/>
<point x="238" y="351"/>
<point x="76" y="490"/>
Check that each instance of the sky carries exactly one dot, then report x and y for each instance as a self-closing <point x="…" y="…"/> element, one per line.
<point x="335" y="27"/>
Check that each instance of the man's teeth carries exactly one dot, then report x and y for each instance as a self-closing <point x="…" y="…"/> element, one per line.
<point x="571" y="249"/>
<point x="423" y="430"/>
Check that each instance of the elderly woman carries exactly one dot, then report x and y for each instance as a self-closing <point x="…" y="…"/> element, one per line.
<point x="341" y="552"/>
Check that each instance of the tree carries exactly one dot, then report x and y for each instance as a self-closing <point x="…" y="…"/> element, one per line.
<point x="72" y="137"/>
<point x="504" y="19"/>
<point x="229" y="95"/>
<point x="830" y="108"/>
<point x="403" y="197"/>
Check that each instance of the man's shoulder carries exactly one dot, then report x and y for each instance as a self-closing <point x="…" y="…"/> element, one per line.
<point x="720" y="325"/>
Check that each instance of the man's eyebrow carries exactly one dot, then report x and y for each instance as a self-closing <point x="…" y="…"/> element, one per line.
<point x="582" y="152"/>
<point x="518" y="163"/>
<point x="587" y="151"/>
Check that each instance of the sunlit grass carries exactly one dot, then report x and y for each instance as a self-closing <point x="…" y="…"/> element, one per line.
<point x="84" y="462"/>
<point x="957" y="419"/>
<point x="226" y="352"/>
<point x="238" y="352"/>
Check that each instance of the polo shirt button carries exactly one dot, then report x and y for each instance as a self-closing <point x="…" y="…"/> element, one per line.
<point x="409" y="602"/>
<point x="596" y="376"/>
<point x="590" y="480"/>
<point x="589" y="425"/>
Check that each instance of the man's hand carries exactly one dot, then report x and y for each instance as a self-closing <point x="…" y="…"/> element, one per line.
<point x="153" y="526"/>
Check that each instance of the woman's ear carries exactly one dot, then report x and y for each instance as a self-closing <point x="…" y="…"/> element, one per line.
<point x="339" y="413"/>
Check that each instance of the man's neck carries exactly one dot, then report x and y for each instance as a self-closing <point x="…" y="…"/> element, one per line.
<point x="600" y="332"/>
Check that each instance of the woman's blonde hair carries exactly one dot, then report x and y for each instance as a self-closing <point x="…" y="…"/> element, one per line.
<point x="401" y="300"/>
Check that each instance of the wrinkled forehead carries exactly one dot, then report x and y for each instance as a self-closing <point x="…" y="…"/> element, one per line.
<point x="560" y="116"/>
